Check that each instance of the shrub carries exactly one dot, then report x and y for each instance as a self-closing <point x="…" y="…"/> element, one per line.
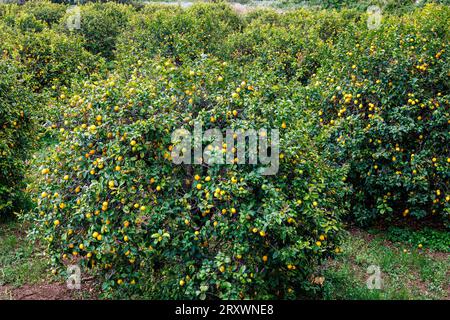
<point x="179" y="34"/>
<point x="280" y="51"/>
<point x="388" y="6"/>
<point x="46" y="11"/>
<point x="385" y="94"/>
<point x="22" y="21"/>
<point x="50" y="59"/>
<point x="100" y="25"/>
<point x="111" y="197"/>
<point x="16" y="129"/>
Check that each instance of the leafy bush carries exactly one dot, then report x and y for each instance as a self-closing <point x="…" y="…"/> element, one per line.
<point x="16" y="128"/>
<point x="179" y="34"/>
<point x="100" y="25"/>
<point x="388" y="6"/>
<point x="51" y="59"/>
<point x="385" y="94"/>
<point x="111" y="195"/>
<point x="46" y="11"/>
<point x="20" y="20"/>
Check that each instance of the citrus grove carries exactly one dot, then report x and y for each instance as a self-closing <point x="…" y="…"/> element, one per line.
<point x="87" y="117"/>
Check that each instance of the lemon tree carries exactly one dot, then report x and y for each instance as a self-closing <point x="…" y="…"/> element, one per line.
<point x="384" y="93"/>
<point x="16" y="130"/>
<point x="112" y="199"/>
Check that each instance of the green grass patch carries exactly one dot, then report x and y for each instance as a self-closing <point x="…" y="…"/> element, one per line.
<point x="406" y="271"/>
<point x="21" y="262"/>
<point x="436" y="240"/>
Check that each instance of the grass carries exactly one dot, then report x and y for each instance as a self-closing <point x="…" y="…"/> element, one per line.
<point x="406" y="271"/>
<point x="21" y="262"/>
<point x="432" y="239"/>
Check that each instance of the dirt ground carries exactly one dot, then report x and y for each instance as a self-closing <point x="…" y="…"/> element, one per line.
<point x="47" y="291"/>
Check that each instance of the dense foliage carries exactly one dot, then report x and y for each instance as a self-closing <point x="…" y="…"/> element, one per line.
<point x="16" y="127"/>
<point x="363" y="116"/>
<point x="386" y="96"/>
<point x="114" y="196"/>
